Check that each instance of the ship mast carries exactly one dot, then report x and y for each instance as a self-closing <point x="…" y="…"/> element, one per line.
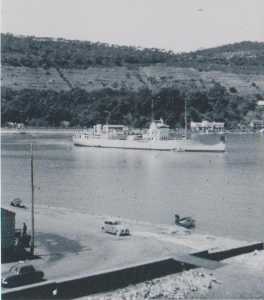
<point x="152" y="110"/>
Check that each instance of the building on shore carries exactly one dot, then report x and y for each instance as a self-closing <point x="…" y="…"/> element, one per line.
<point x="14" y="241"/>
<point x="208" y="127"/>
<point x="15" y="125"/>
<point x="260" y="104"/>
<point x="257" y="124"/>
<point x="7" y="231"/>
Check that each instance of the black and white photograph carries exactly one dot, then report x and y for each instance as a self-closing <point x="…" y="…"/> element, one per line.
<point x="132" y="149"/>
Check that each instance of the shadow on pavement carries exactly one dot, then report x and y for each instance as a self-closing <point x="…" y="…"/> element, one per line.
<point x="58" y="246"/>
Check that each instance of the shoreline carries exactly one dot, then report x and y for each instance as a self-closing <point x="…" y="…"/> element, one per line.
<point x="25" y="131"/>
<point x="70" y="243"/>
<point x="161" y="228"/>
<point x="48" y="130"/>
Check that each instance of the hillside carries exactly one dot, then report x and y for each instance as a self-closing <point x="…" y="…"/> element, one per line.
<point x="46" y="81"/>
<point x="155" y="77"/>
<point x="246" y="57"/>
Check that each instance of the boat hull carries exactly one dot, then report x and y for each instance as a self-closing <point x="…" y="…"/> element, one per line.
<point x="168" y="145"/>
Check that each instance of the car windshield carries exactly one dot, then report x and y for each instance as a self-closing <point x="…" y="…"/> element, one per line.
<point x="13" y="269"/>
<point x="112" y="222"/>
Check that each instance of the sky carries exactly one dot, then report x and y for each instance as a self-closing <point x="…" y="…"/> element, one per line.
<point x="178" y="25"/>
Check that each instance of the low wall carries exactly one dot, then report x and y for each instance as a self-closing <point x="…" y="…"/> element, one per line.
<point x="224" y="254"/>
<point x="36" y="291"/>
<point x="120" y="278"/>
<point x="99" y="282"/>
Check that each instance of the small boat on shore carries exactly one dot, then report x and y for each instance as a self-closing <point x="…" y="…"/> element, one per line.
<point x="17" y="202"/>
<point x="187" y="222"/>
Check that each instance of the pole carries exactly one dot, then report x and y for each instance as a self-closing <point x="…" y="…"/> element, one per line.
<point x="185" y="117"/>
<point x="32" y="200"/>
<point x="152" y="110"/>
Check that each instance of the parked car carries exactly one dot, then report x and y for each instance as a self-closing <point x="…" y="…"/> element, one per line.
<point x="20" y="274"/>
<point x="115" y="227"/>
<point x="17" y="202"/>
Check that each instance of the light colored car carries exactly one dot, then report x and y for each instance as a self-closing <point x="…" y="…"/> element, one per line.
<point x="115" y="227"/>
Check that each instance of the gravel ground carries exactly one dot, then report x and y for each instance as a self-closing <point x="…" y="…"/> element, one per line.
<point x="241" y="278"/>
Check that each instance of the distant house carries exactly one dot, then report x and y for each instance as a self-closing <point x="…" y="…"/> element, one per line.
<point x="260" y="103"/>
<point x="7" y="230"/>
<point x="15" y="125"/>
<point x="257" y="124"/>
<point x="207" y="127"/>
<point x="11" y="124"/>
<point x="65" y="124"/>
<point x="20" y="126"/>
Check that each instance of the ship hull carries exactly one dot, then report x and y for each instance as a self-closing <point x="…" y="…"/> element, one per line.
<point x="168" y="145"/>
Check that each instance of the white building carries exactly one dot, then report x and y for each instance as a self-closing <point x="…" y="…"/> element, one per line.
<point x="260" y="103"/>
<point x="257" y="124"/>
<point x="207" y="127"/>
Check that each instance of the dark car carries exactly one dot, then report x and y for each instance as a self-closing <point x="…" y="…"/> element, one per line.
<point x="21" y="274"/>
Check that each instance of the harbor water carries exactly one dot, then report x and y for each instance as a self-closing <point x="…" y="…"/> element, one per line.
<point x="223" y="192"/>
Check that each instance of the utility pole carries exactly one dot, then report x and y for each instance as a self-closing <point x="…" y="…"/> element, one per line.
<point x="32" y="200"/>
<point x="185" y="117"/>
